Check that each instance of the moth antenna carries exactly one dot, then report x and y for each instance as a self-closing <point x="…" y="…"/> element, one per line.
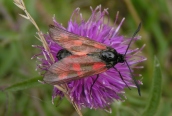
<point x="132" y="76"/>
<point x="138" y="29"/>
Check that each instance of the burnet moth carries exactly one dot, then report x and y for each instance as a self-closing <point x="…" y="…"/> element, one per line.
<point x="82" y="57"/>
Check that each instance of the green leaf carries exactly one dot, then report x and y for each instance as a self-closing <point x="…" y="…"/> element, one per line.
<point x="24" y="85"/>
<point x="8" y="58"/>
<point x="156" y="89"/>
<point x="10" y="104"/>
<point x="166" y="109"/>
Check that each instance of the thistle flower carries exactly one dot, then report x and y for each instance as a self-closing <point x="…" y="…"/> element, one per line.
<point x="109" y="86"/>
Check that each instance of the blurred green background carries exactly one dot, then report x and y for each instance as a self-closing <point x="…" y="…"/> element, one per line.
<point x="30" y="98"/>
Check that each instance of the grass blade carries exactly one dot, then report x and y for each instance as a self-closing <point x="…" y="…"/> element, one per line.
<point x="156" y="89"/>
<point x="24" y="85"/>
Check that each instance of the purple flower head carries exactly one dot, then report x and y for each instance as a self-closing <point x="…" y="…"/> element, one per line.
<point x="109" y="86"/>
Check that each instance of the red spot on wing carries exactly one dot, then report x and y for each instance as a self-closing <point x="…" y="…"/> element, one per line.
<point x="64" y="36"/>
<point x="62" y="75"/>
<point x="77" y="42"/>
<point x="99" y="46"/>
<point x="81" y="53"/>
<point x="76" y="67"/>
<point x="98" y="65"/>
<point x="79" y="73"/>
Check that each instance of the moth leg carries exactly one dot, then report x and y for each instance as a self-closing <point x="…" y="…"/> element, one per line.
<point x="93" y="83"/>
<point x="59" y="101"/>
<point x="121" y="77"/>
